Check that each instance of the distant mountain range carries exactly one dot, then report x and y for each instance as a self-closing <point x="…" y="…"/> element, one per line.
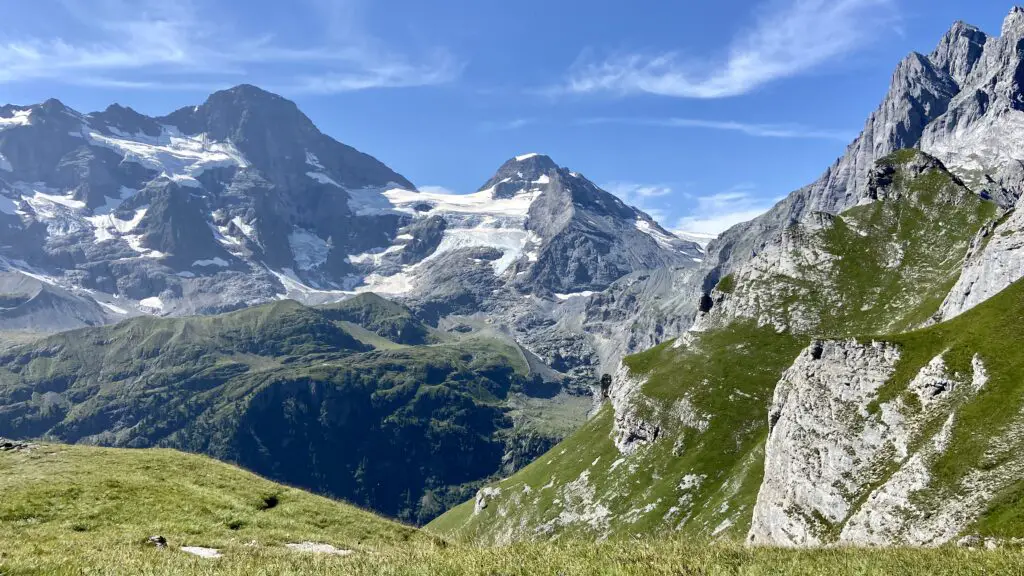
<point x="241" y="200"/>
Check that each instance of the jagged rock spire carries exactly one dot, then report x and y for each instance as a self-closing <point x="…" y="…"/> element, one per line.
<point x="959" y="51"/>
<point x="1013" y="25"/>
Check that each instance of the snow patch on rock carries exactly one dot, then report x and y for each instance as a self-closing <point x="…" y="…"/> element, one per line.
<point x="583" y="294"/>
<point x="309" y="250"/>
<point x="17" y="118"/>
<point x="110" y="227"/>
<point x="152" y="304"/>
<point x="664" y="240"/>
<point x="218" y="262"/>
<point x="323" y="178"/>
<point x="177" y="156"/>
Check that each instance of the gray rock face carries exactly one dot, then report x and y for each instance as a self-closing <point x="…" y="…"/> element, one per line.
<point x="591" y="239"/>
<point x="814" y="461"/>
<point x="630" y="430"/>
<point x="483" y="497"/>
<point x="844" y="466"/>
<point x="636" y="313"/>
<point x="979" y="135"/>
<point x="959" y="51"/>
<point x="994" y="261"/>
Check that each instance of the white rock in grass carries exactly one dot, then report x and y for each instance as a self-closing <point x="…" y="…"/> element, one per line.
<point x="202" y="552"/>
<point x="318" y="548"/>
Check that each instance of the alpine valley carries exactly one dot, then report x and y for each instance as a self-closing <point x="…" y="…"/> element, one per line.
<point x="845" y="369"/>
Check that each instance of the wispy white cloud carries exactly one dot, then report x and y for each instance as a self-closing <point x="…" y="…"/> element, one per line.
<point x="641" y="196"/>
<point x="385" y="73"/>
<point x="788" y="38"/>
<point x="506" y="125"/>
<point x="758" y="130"/>
<point x="715" y="213"/>
<point x="632" y="190"/>
<point x="151" y="44"/>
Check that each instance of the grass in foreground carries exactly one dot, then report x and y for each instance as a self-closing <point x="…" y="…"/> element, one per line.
<point x="81" y="510"/>
<point x="568" y="558"/>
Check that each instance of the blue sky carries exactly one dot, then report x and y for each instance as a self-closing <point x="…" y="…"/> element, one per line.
<point x="702" y="113"/>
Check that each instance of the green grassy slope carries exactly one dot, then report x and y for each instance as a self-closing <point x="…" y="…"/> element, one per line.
<point x="70" y="510"/>
<point x="883" y="266"/>
<point x="84" y="504"/>
<point x="987" y="435"/>
<point x="387" y="319"/>
<point x="709" y="398"/>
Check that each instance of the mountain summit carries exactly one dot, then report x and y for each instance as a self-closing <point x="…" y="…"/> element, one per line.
<point x="519" y="171"/>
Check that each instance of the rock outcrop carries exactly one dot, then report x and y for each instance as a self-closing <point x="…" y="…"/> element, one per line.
<point x="919" y="93"/>
<point x="846" y="463"/>
<point x="823" y="441"/>
<point x="995" y="260"/>
<point x="877" y="266"/>
<point x="630" y="431"/>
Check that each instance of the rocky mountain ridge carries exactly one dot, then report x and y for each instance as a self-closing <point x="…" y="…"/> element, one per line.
<point x="958" y="103"/>
<point x="947" y="104"/>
